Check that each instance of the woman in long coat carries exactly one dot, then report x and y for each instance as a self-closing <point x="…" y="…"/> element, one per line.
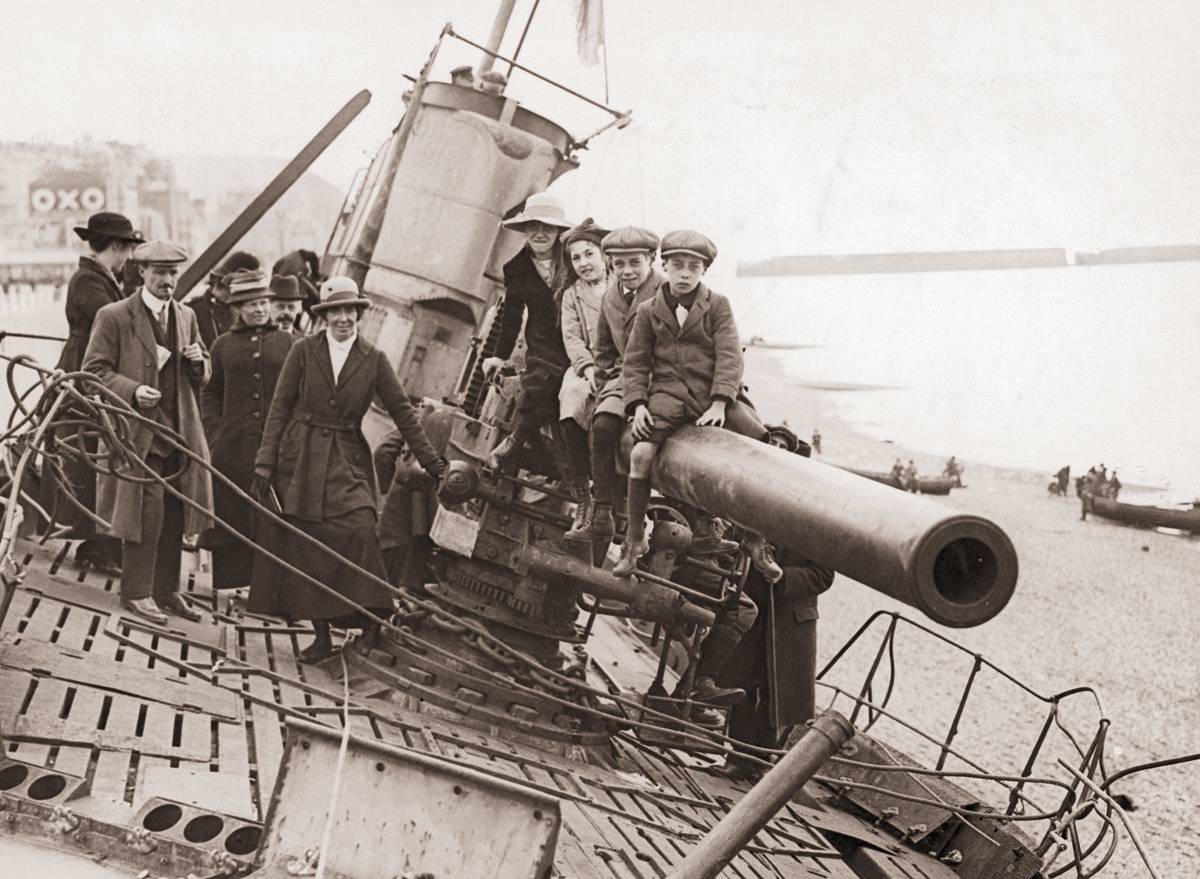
<point x="111" y="239"/>
<point x="246" y="361"/>
<point x="315" y="462"/>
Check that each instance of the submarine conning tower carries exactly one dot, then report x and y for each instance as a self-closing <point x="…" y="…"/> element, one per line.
<point x="421" y="233"/>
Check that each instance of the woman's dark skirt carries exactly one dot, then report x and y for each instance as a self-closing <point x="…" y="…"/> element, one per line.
<point x="279" y="592"/>
<point x="232" y="560"/>
<point x="82" y="485"/>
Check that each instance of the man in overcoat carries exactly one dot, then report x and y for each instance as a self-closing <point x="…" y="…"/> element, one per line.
<point x="147" y="349"/>
<point x="776" y="661"/>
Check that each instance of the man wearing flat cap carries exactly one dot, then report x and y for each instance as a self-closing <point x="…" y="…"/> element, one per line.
<point x="213" y="314"/>
<point x="148" y="351"/>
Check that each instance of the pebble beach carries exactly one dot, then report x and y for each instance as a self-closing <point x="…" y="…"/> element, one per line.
<point x="1097" y="605"/>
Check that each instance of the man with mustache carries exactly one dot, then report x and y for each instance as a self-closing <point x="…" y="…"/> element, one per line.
<point x="147" y="349"/>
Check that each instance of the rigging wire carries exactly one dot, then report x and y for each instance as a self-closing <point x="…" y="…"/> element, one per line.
<point x="115" y="433"/>
<point x="521" y="42"/>
<point x="608" y="142"/>
<point x="338" y="772"/>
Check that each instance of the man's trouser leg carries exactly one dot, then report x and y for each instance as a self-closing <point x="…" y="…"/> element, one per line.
<point x="731" y="625"/>
<point x="169" y="555"/>
<point x="138" y="559"/>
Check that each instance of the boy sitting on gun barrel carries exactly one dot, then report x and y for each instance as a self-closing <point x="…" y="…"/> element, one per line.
<point x="683" y="365"/>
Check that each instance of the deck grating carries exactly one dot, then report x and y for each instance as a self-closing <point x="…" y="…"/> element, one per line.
<point x="198" y="709"/>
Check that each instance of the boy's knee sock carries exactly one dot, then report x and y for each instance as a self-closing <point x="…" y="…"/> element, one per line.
<point x="605" y="441"/>
<point x="639" y="499"/>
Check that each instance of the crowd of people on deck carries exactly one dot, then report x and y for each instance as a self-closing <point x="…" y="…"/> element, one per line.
<point x="267" y="377"/>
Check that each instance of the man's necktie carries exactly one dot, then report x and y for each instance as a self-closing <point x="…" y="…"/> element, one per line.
<point x="163" y="321"/>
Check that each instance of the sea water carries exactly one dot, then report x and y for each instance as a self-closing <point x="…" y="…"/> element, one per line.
<point x="1031" y="368"/>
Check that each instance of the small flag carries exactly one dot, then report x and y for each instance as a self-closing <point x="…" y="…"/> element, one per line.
<point x="589" y="17"/>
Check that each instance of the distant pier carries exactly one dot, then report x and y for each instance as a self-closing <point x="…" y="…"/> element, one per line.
<point x="961" y="260"/>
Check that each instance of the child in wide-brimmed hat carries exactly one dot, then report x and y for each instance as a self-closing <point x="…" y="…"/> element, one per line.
<point x="531" y="280"/>
<point x="682" y="365"/>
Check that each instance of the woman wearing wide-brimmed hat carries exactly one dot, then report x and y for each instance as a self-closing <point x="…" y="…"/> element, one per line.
<point x="531" y="279"/>
<point x="246" y="362"/>
<point x="314" y="460"/>
<point x="111" y="239"/>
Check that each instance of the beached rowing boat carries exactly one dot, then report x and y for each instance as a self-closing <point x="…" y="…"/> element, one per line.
<point x="925" y="484"/>
<point x="1142" y="516"/>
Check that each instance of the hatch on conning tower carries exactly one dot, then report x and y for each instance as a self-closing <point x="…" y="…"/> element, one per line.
<point x="423" y="236"/>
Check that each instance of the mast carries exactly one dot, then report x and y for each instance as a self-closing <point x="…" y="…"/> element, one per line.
<point x="499" y="26"/>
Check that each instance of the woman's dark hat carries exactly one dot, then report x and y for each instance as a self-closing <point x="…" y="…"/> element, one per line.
<point x="585" y="231"/>
<point x="246" y="285"/>
<point x="109" y="224"/>
<point x="236" y="261"/>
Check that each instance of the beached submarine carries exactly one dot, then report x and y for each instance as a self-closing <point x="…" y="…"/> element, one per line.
<point x="490" y="731"/>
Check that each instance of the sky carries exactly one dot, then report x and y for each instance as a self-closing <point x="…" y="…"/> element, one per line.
<point x="776" y="127"/>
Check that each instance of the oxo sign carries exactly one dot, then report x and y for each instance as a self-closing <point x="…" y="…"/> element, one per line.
<point x="66" y="192"/>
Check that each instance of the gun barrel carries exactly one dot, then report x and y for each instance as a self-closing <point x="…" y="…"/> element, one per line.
<point x="959" y="569"/>
<point x="648" y="600"/>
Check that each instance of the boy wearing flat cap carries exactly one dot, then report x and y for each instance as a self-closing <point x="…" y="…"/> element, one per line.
<point x="683" y="365"/>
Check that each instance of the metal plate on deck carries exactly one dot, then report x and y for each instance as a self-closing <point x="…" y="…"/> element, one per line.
<point x="399" y="812"/>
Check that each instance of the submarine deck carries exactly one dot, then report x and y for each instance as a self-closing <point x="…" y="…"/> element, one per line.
<point x="130" y="719"/>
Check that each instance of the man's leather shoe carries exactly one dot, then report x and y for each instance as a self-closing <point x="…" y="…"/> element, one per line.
<point x="175" y="605"/>
<point x="711" y="545"/>
<point x="94" y="555"/>
<point x="706" y="690"/>
<point x="146" y="609"/>
<point x="740" y="770"/>
<point x="317" y="651"/>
